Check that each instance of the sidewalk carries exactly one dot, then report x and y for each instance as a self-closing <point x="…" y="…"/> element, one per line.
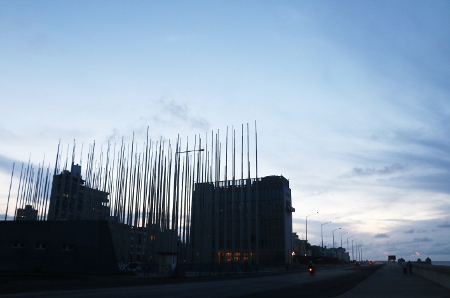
<point x="389" y="281"/>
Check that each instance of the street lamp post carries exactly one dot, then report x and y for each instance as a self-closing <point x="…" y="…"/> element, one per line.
<point x="357" y="250"/>
<point x="306" y="244"/>
<point x="321" y="233"/>
<point x="342" y="253"/>
<point x="353" y="256"/>
<point x="187" y="151"/>
<point x="360" y="251"/>
<point x="333" y="241"/>
<point x="349" y="238"/>
<point x="341" y="237"/>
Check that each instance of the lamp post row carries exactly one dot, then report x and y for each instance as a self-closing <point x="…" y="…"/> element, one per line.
<point x="358" y="249"/>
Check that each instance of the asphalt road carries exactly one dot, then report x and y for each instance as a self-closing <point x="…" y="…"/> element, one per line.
<point x="329" y="282"/>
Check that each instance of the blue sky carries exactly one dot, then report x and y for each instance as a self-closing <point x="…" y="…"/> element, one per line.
<point x="351" y="98"/>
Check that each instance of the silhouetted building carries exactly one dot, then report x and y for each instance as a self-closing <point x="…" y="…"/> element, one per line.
<point x="57" y="246"/>
<point x="298" y="245"/>
<point x="28" y="213"/>
<point x="247" y="220"/>
<point x="70" y="199"/>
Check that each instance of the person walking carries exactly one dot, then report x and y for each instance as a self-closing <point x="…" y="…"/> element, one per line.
<point x="404" y="265"/>
<point x="410" y="267"/>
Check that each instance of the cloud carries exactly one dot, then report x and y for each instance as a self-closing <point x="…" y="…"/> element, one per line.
<point x="444" y="225"/>
<point x="424" y="239"/>
<point x="168" y="115"/>
<point x="9" y="217"/>
<point x="174" y="112"/>
<point x="371" y="171"/>
<point x="381" y="235"/>
<point x="6" y="164"/>
<point x="181" y="112"/>
<point x="421" y="231"/>
<point x="439" y="249"/>
<point x="412" y="231"/>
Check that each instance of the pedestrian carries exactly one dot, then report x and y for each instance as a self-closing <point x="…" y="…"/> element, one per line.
<point x="404" y="267"/>
<point x="410" y="267"/>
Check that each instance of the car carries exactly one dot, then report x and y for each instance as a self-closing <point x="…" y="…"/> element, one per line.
<point x="357" y="263"/>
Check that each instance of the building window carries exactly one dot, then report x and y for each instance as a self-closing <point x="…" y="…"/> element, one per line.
<point x="67" y="247"/>
<point x="40" y="245"/>
<point x="18" y="244"/>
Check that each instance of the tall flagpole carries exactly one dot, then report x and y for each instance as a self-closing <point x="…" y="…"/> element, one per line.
<point x="9" y="193"/>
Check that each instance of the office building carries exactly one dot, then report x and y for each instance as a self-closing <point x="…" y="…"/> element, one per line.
<point x="242" y="221"/>
<point x="71" y="199"/>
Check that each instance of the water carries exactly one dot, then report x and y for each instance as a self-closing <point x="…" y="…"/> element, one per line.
<point x="441" y="263"/>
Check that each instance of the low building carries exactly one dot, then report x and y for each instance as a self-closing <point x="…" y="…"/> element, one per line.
<point x="57" y="247"/>
<point x="298" y="245"/>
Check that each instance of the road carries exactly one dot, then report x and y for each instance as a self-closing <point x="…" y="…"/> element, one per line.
<point x="329" y="282"/>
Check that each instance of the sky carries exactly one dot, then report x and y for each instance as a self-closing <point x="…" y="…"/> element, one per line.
<point x="351" y="99"/>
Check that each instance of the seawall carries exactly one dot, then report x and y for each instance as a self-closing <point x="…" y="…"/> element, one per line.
<point x="435" y="273"/>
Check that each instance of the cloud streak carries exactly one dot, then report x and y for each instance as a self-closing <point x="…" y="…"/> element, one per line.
<point x="367" y="171"/>
<point x="381" y="235"/>
<point x="444" y="225"/>
<point x="424" y="239"/>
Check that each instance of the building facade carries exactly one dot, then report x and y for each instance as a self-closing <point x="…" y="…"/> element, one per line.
<point x="70" y="199"/>
<point x="243" y="221"/>
<point x="27" y="213"/>
<point x="57" y="247"/>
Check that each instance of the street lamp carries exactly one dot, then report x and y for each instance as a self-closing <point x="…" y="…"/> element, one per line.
<point x="333" y="240"/>
<point x="178" y="152"/>
<point x="307" y="231"/>
<point x="321" y="232"/>
<point x="360" y="251"/>
<point x="341" y="237"/>
<point x="357" y="249"/>
<point x="349" y="238"/>
<point x="342" y="253"/>
<point x="353" y="257"/>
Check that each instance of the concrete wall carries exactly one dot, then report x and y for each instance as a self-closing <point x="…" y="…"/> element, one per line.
<point x="438" y="274"/>
<point x="57" y="246"/>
